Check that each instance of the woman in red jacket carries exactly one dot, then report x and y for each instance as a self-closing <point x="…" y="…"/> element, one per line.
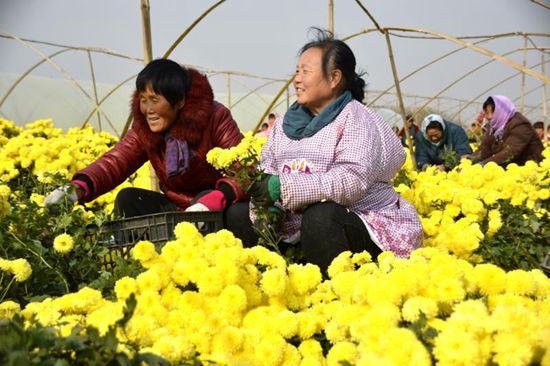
<point x="176" y="122"/>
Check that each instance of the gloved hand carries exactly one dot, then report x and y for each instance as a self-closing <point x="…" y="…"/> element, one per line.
<point x="197" y="207"/>
<point x="58" y="195"/>
<point x="266" y="191"/>
<point x="213" y="200"/>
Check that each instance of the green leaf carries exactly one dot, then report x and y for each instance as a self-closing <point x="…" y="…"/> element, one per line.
<point x="131" y="303"/>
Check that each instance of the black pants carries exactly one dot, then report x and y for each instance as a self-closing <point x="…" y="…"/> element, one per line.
<point x="131" y="202"/>
<point x="328" y="229"/>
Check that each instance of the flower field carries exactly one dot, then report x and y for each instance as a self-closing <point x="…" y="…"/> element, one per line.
<point x="474" y="295"/>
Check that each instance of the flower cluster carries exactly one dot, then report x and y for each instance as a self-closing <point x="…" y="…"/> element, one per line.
<point x="454" y="205"/>
<point x="249" y="148"/>
<point x="4" y="199"/>
<point x="41" y="150"/>
<point x="210" y="297"/>
<point x="36" y="159"/>
<point x="241" y="163"/>
<point x="19" y="268"/>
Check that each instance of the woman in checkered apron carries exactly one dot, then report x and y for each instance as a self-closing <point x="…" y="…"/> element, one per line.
<point x="330" y="161"/>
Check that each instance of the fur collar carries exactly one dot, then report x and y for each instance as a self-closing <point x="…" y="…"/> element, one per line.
<point x="193" y="118"/>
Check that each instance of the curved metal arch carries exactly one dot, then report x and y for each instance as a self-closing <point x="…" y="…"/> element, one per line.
<point x="56" y="66"/>
<point x="212" y="73"/>
<point x="440" y="35"/>
<point x="190" y="28"/>
<point x="475" y="69"/>
<point x="532" y="108"/>
<point x="513" y="34"/>
<point x="27" y="72"/>
<point x="415" y="71"/>
<point x="91" y="49"/>
<point x="105" y="98"/>
<point x="254" y="92"/>
<point x="478" y="49"/>
<point x="492" y="87"/>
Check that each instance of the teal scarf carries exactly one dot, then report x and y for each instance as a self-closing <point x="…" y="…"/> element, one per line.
<point x="299" y="122"/>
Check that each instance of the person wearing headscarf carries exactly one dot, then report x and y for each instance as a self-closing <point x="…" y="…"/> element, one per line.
<point x="510" y="137"/>
<point x="435" y="137"/>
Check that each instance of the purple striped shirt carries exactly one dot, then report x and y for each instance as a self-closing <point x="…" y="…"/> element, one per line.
<point x="351" y="161"/>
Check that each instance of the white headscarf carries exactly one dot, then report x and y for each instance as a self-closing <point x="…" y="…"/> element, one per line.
<point x="426" y="122"/>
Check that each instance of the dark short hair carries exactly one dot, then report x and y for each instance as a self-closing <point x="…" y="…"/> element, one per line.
<point x="489" y="102"/>
<point x="167" y="78"/>
<point x="271" y="115"/>
<point x="338" y="55"/>
<point x="434" y="124"/>
<point x="538" y="124"/>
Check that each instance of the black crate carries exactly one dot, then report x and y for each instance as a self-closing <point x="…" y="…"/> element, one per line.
<point x="121" y="235"/>
<point x="546" y="264"/>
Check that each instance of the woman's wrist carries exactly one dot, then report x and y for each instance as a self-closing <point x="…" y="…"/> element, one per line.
<point x="80" y="188"/>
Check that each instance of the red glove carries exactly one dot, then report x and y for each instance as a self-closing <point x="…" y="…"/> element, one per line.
<point x="211" y="201"/>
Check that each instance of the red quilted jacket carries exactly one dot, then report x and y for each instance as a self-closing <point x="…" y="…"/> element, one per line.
<point x="203" y="122"/>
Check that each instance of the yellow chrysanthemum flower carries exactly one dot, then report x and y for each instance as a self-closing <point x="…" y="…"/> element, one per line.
<point x="19" y="268"/>
<point x="144" y="251"/>
<point x="125" y="287"/>
<point x="8" y="309"/>
<point x="413" y="307"/>
<point x="63" y="243"/>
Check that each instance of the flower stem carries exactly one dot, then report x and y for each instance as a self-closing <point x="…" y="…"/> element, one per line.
<point x="43" y="261"/>
<point x="7" y="288"/>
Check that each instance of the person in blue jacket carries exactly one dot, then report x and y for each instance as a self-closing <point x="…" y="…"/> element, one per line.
<point x="435" y="137"/>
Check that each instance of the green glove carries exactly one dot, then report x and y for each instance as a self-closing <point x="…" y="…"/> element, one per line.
<point x="266" y="191"/>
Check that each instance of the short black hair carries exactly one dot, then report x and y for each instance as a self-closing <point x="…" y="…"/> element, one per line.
<point x="538" y="124"/>
<point x="434" y="124"/>
<point x="489" y="102"/>
<point x="167" y="78"/>
<point x="338" y="55"/>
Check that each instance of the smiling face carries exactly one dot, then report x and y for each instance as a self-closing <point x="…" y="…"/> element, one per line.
<point x="313" y="90"/>
<point x="434" y="134"/>
<point x="157" y="110"/>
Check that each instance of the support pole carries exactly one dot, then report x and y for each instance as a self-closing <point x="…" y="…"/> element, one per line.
<point x="331" y="16"/>
<point x="400" y="98"/>
<point x="544" y="97"/>
<point x="287" y="98"/>
<point x="228" y="90"/>
<point x="522" y="87"/>
<point x="95" y="89"/>
<point x="146" y="31"/>
<point x="147" y="57"/>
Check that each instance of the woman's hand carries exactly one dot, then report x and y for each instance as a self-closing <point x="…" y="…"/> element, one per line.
<point x="69" y="192"/>
<point x="266" y="191"/>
